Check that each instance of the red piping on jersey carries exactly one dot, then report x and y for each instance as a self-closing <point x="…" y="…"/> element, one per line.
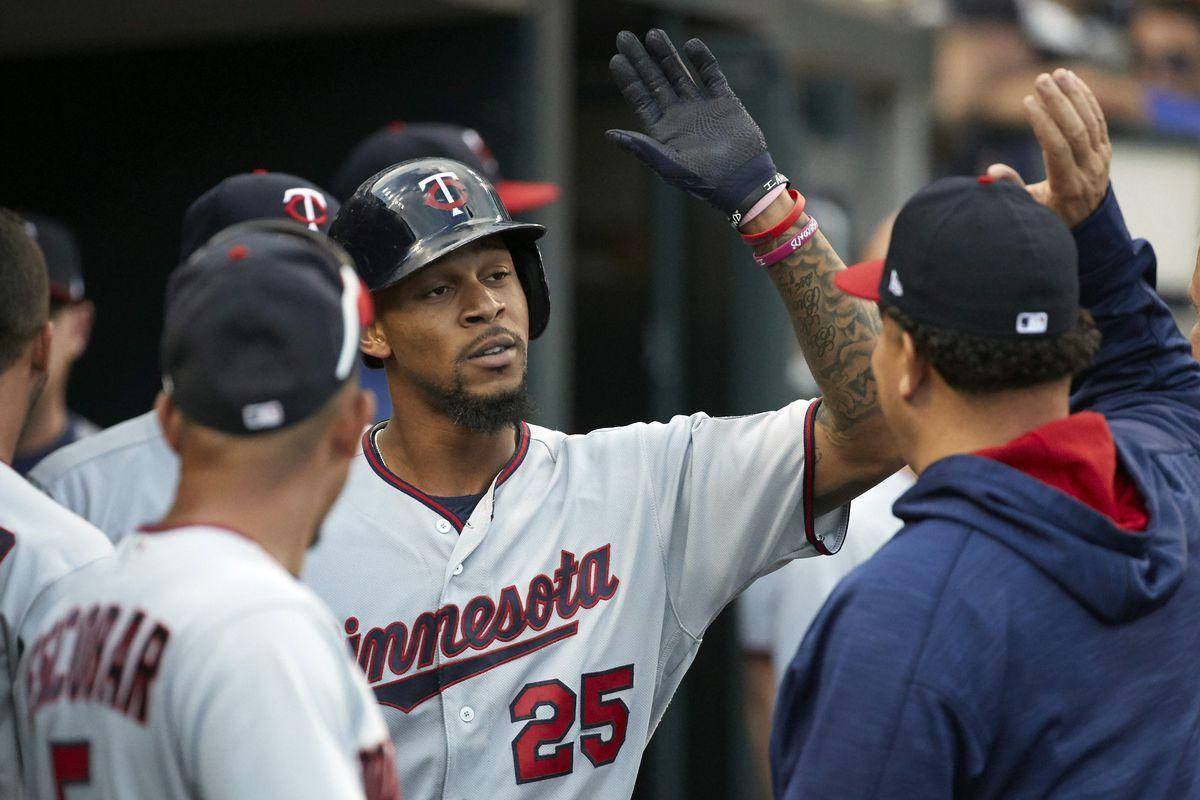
<point x="810" y="468"/>
<point x="381" y="469"/>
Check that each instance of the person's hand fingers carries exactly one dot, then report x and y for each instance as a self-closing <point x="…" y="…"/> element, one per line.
<point x="1056" y="151"/>
<point x="661" y="47"/>
<point x="1003" y="172"/>
<point x="1097" y="112"/>
<point x="707" y="68"/>
<point x="644" y="105"/>
<point x="647" y="69"/>
<point x="1075" y="91"/>
<point x="1064" y="117"/>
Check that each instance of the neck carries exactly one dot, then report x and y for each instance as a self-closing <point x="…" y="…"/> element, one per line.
<point x="14" y="409"/>
<point x="46" y="423"/>
<point x="282" y="516"/>
<point x="959" y="423"/>
<point x="441" y="458"/>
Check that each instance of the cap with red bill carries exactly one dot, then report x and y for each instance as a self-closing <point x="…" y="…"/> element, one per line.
<point x="979" y="257"/>
<point x="400" y="141"/>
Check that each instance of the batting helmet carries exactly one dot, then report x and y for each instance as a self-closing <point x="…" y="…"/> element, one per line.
<point x="409" y="215"/>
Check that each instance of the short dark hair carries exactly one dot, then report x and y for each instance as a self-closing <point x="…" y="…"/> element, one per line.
<point x="24" y="288"/>
<point x="983" y="364"/>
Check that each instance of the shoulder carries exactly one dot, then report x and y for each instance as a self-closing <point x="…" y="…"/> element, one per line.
<point x="45" y="530"/>
<point x="141" y="433"/>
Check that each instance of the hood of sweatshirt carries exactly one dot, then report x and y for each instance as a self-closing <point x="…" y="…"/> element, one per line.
<point x="1073" y="502"/>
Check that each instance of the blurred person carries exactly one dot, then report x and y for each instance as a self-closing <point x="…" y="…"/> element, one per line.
<point x="1194" y="298"/>
<point x="1166" y="40"/>
<point x="51" y="423"/>
<point x="1029" y="632"/>
<point x="126" y="475"/>
<point x="776" y="610"/>
<point x="193" y="664"/>
<point x="989" y="53"/>
<point x="523" y="602"/>
<point x="40" y="542"/>
<point x="398" y="142"/>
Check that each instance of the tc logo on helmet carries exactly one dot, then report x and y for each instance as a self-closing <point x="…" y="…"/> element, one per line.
<point x="446" y="192"/>
<point x="306" y="206"/>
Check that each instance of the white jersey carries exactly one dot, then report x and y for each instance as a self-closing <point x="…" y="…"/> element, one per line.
<point x="40" y="542"/>
<point x="532" y="648"/>
<point x="118" y="479"/>
<point x="192" y="665"/>
<point x="775" y="612"/>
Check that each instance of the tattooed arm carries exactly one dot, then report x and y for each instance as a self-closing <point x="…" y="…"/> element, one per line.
<point x="836" y="333"/>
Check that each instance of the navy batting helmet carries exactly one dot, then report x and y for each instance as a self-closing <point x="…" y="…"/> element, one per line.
<point x="407" y="216"/>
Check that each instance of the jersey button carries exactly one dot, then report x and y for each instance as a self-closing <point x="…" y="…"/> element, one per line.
<point x="458" y="570"/>
<point x="466" y="714"/>
<point x="443" y="526"/>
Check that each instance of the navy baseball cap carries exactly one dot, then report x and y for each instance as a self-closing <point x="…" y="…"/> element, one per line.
<point x="977" y="256"/>
<point x="267" y="329"/>
<point x="62" y="256"/>
<point x="399" y="141"/>
<point x="256" y="195"/>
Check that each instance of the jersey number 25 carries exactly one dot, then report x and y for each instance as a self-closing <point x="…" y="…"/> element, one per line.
<point x="595" y="712"/>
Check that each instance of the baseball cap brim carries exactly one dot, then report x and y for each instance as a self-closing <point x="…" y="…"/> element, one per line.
<point x="861" y="280"/>
<point x="521" y="196"/>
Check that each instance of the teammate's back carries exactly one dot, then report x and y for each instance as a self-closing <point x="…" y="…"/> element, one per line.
<point x="154" y="663"/>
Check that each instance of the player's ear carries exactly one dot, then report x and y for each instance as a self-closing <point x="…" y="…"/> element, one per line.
<point x="169" y="419"/>
<point x="39" y="348"/>
<point x="374" y="341"/>
<point x="913" y="369"/>
<point x="82" y="316"/>
<point x="356" y="411"/>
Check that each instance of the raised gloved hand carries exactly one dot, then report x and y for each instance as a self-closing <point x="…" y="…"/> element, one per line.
<point x="701" y="139"/>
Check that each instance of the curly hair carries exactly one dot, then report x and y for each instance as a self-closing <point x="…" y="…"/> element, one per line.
<point x="983" y="364"/>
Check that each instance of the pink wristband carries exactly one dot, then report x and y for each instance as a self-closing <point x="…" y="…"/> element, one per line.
<point x="767" y="199"/>
<point x="790" y="246"/>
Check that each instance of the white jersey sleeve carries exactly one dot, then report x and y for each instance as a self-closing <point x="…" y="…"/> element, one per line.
<point x="732" y="501"/>
<point x="40" y="543"/>
<point x="118" y="479"/>
<point x="293" y="677"/>
<point x="775" y="612"/>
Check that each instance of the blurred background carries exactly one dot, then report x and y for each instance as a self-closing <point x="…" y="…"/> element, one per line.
<point x="119" y="115"/>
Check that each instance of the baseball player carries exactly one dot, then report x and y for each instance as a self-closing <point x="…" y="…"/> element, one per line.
<point x="523" y="602"/>
<point x="192" y="664"/>
<point x="126" y="475"/>
<point x="52" y="424"/>
<point x="1029" y="632"/>
<point x="40" y="542"/>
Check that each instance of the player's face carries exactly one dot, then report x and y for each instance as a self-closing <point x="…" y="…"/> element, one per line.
<point x="460" y="325"/>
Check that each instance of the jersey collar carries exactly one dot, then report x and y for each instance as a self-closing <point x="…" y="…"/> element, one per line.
<point x="371" y="451"/>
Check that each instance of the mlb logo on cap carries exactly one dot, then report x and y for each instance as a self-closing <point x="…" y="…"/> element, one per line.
<point x="1032" y="322"/>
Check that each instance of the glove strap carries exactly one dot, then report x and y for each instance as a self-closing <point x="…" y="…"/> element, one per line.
<point x="790" y="246"/>
<point x="754" y="239"/>
<point x="751" y="200"/>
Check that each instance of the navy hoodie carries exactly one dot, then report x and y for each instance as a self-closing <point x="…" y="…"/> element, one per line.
<point x="1011" y="641"/>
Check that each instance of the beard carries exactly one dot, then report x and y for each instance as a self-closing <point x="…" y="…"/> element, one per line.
<point x="479" y="413"/>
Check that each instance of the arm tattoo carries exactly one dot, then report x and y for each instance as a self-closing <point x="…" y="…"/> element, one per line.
<point x="836" y="332"/>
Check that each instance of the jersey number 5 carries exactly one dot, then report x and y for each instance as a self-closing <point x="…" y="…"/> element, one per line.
<point x="71" y="764"/>
<point x="595" y="713"/>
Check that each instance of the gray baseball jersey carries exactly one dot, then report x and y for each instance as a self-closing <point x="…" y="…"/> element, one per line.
<point x="532" y="648"/>
<point x="192" y="665"/>
<point x="775" y="611"/>
<point x="122" y="477"/>
<point x="40" y="542"/>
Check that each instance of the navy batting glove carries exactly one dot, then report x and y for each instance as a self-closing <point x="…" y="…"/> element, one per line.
<point x="701" y="139"/>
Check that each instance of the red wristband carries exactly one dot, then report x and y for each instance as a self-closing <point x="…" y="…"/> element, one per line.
<point x="784" y="224"/>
